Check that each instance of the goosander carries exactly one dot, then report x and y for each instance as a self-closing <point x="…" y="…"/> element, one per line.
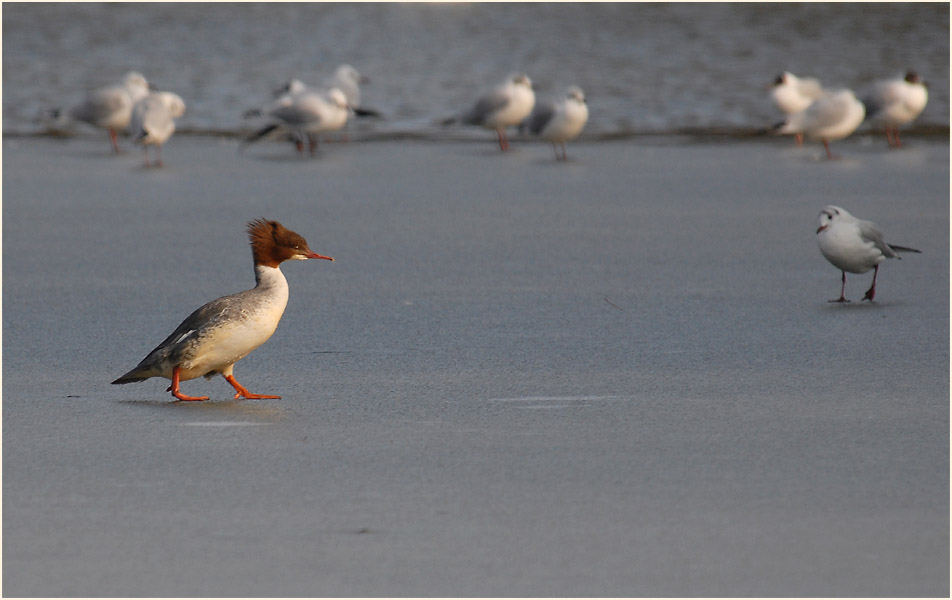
<point x="505" y="106"/>
<point x="307" y="113"/>
<point x="896" y="102"/>
<point x="853" y="245"/>
<point x="216" y="336"/>
<point x="832" y="116"/>
<point x="153" y="121"/>
<point x="560" y="121"/>
<point x="792" y="94"/>
<point x="110" y="107"/>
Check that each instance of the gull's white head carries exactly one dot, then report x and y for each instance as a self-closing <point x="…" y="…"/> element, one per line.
<point x="574" y="92"/>
<point x="337" y="97"/>
<point x="135" y="84"/>
<point x="521" y="79"/>
<point x="349" y="74"/>
<point x="830" y="215"/>
<point x="295" y="86"/>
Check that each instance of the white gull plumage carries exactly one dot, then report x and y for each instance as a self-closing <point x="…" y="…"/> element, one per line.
<point x="853" y="245"/>
<point x="896" y="102"/>
<point x="153" y="121"/>
<point x="833" y="116"/>
<point x="506" y="105"/>
<point x="110" y="107"/>
<point x="560" y="121"/>
<point x="307" y="113"/>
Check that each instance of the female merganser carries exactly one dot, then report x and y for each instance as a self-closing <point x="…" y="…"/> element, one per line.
<point x="219" y="334"/>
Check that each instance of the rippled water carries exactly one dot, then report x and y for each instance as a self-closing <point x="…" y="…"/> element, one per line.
<point x="645" y="67"/>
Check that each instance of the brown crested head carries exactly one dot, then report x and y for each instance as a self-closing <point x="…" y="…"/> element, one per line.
<point x="272" y="243"/>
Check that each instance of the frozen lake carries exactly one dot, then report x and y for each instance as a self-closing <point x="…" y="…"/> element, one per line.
<point x="614" y="376"/>
<point x="618" y="376"/>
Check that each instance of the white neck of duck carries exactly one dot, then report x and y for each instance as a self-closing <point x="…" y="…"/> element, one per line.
<point x="271" y="281"/>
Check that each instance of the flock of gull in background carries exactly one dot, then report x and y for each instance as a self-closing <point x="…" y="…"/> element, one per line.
<point x="812" y="111"/>
<point x="304" y="113"/>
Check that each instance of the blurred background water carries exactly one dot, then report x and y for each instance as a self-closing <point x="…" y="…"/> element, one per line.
<point x="646" y="68"/>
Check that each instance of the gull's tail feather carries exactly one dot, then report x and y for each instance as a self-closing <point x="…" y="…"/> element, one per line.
<point x="904" y="249"/>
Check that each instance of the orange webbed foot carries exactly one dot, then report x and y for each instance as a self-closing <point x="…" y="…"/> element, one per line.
<point x="242" y="392"/>
<point x="174" y="388"/>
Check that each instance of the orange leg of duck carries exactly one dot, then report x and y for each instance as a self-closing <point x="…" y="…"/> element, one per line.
<point x="174" y="388"/>
<point x="241" y="391"/>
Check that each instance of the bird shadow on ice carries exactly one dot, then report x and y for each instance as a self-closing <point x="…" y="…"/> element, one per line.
<point x="864" y="305"/>
<point x="288" y="158"/>
<point x="263" y="411"/>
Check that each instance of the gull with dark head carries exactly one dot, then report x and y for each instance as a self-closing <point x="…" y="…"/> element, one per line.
<point x="792" y="94"/>
<point x="853" y="245"/>
<point x="896" y="102"/>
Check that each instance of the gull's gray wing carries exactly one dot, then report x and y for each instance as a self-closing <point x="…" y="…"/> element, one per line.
<point x="871" y="233"/>
<point x="829" y="111"/>
<point x="294" y="115"/>
<point x="485" y="106"/>
<point x="541" y="117"/>
<point x="100" y="105"/>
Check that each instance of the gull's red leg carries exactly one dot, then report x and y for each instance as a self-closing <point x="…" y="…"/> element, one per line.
<point x="842" y="297"/>
<point x="241" y="391"/>
<point x="871" y="292"/>
<point x="503" y="140"/>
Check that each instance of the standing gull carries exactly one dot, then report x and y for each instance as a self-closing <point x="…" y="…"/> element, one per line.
<point x="832" y="116"/>
<point x="505" y="106"/>
<point x="896" y="102"/>
<point x="561" y="121"/>
<point x="792" y="94"/>
<point x="110" y="107"/>
<point x="307" y="113"/>
<point x="347" y="79"/>
<point x="853" y="245"/>
<point x="153" y="121"/>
